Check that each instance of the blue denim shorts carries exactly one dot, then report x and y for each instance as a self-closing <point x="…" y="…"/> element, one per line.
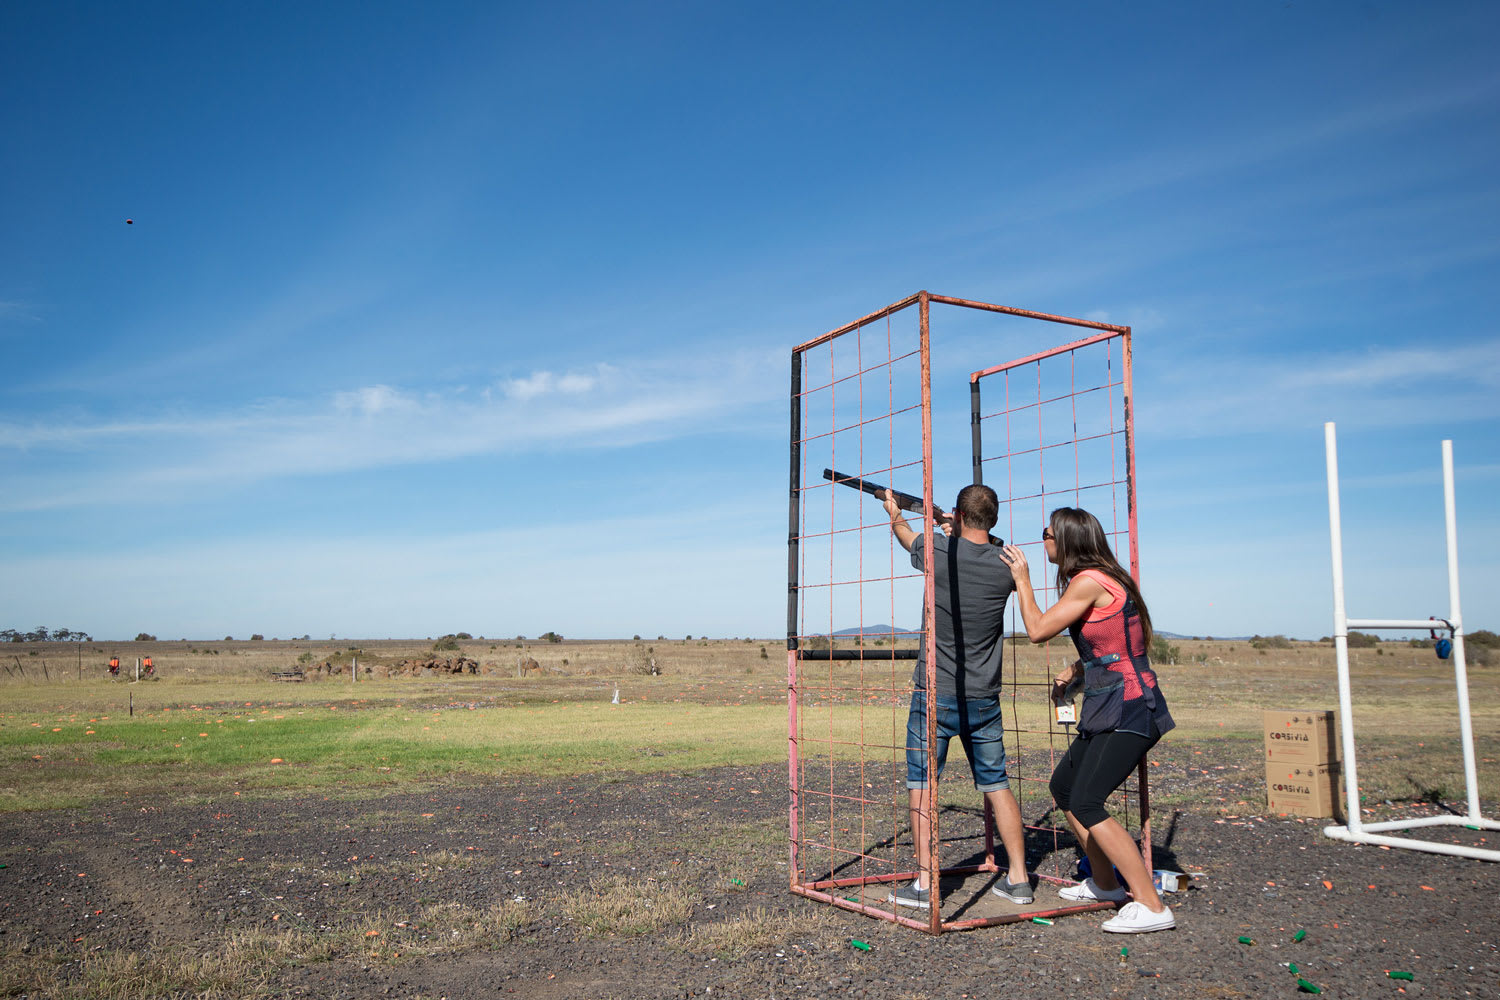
<point x="977" y="724"/>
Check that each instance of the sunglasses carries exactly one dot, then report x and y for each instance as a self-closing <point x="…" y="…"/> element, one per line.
<point x="1047" y="535"/>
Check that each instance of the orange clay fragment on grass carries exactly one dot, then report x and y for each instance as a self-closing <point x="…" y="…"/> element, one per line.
<point x="1429" y="888"/>
<point x="277" y="760"/>
<point x="1327" y="884"/>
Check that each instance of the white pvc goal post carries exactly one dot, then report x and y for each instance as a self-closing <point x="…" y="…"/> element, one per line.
<point x="1357" y="831"/>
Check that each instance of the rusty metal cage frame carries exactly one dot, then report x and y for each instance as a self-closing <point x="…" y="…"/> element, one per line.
<point x="833" y="889"/>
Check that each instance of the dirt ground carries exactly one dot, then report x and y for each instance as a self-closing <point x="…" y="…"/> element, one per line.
<point x="507" y="888"/>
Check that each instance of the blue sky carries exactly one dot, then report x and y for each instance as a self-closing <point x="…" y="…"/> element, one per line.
<point x="477" y="316"/>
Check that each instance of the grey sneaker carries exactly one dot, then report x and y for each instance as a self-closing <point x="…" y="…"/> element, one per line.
<point x="910" y="895"/>
<point x="1016" y="892"/>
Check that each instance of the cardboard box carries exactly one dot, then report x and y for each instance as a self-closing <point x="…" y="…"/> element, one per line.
<point x="1303" y="775"/>
<point x="1301" y="737"/>
<point x="1305" y="789"/>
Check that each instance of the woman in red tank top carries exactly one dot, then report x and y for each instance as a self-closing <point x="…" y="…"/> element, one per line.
<point x="1124" y="710"/>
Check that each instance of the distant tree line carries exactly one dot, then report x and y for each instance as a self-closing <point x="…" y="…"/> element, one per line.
<point x="44" y="634"/>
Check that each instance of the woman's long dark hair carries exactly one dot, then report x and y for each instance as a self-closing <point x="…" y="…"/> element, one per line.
<point x="1081" y="544"/>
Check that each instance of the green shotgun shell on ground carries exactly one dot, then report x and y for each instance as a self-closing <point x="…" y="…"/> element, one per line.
<point x="858" y="944"/>
<point x="1299" y="935"/>
<point x="1401" y="975"/>
<point x="1124" y="952"/>
<point x="1041" y="920"/>
<point x="1245" y="940"/>
<point x="1307" y="987"/>
<point x="1292" y="968"/>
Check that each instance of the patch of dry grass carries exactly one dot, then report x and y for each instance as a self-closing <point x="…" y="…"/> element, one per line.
<point x="441" y="929"/>
<point x="241" y="965"/>
<point x="758" y="931"/>
<point x="244" y="963"/>
<point x="620" y="905"/>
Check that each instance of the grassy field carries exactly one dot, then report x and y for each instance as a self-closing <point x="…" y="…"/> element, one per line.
<point x="213" y="722"/>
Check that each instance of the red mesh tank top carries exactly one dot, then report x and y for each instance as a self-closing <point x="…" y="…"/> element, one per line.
<point x="1116" y="630"/>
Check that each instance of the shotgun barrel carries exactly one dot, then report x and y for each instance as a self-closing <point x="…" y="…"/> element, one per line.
<point x="905" y="501"/>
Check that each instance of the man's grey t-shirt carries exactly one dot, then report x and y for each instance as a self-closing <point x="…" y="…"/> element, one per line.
<point x="972" y="584"/>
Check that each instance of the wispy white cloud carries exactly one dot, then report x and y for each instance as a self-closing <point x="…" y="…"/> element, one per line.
<point x="1230" y="394"/>
<point x="545" y="383"/>
<point x="1375" y="370"/>
<point x="380" y="425"/>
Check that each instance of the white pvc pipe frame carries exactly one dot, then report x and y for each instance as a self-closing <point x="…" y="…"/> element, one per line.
<point x="1371" y="833"/>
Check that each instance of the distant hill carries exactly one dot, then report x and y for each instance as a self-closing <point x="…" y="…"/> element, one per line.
<point x="877" y="630"/>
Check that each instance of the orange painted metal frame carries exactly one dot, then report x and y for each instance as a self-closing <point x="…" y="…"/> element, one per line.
<point x="819" y="889"/>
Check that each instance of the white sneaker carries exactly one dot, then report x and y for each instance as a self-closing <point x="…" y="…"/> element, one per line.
<point x="1134" y="918"/>
<point x="1088" y="890"/>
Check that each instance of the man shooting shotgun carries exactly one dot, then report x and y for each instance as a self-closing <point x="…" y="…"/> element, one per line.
<point x="971" y="584"/>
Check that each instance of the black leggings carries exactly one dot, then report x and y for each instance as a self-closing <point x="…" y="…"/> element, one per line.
<point x="1095" y="766"/>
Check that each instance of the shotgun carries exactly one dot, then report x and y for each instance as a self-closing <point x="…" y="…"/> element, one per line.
<point x="905" y="501"/>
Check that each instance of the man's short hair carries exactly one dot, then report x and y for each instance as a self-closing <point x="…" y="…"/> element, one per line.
<point x="979" y="506"/>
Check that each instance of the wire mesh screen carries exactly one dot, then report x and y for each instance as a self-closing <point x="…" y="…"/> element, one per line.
<point x="864" y="411"/>
<point x="1053" y="430"/>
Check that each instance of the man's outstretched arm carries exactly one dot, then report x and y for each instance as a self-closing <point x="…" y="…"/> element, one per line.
<point x="904" y="535"/>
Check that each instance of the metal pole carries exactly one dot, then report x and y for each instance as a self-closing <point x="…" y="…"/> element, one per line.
<point x="1127" y="400"/>
<point x="933" y="873"/>
<point x="793" y="505"/>
<point x="793" y="517"/>
<point x="1341" y="632"/>
<point x="1455" y="616"/>
<point x="974" y="436"/>
<point x="1127" y="405"/>
<point x="976" y="447"/>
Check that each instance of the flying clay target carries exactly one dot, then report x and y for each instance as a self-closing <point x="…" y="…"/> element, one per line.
<point x="129" y="222"/>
